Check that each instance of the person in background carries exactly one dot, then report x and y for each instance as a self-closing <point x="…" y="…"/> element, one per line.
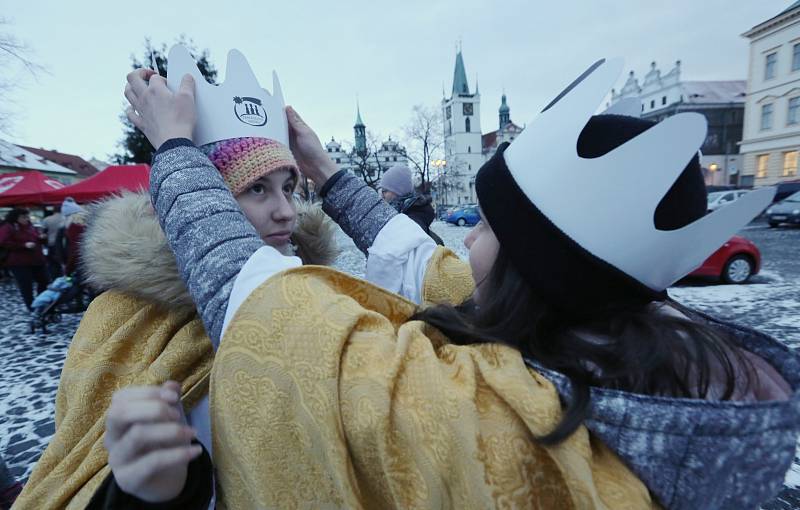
<point x="9" y="487"/>
<point x="53" y="222"/>
<point x="74" y="226"/>
<point x="398" y="190"/>
<point x="25" y="257"/>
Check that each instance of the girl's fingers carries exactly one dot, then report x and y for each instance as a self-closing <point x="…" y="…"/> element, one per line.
<point x="138" y="472"/>
<point x="120" y="417"/>
<point x="130" y="96"/>
<point x="138" y="80"/>
<point x="134" y="117"/>
<point x="153" y="462"/>
<point x="141" y="439"/>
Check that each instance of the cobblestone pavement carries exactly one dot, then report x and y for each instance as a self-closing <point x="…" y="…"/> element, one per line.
<point x="30" y="364"/>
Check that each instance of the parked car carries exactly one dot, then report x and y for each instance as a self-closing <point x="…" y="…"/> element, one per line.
<point x="734" y="262"/>
<point x="785" y="211"/>
<point x="717" y="199"/>
<point x="464" y="216"/>
<point x="786" y="188"/>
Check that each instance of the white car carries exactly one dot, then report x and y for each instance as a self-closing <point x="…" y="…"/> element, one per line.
<point x="717" y="199"/>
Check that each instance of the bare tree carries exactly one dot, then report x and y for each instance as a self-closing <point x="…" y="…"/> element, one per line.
<point x="424" y="141"/>
<point x="366" y="164"/>
<point x="13" y="52"/>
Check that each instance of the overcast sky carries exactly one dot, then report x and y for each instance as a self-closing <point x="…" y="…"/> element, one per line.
<point x="392" y="55"/>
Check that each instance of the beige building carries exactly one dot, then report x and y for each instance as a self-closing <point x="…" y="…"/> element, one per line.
<point x="772" y="111"/>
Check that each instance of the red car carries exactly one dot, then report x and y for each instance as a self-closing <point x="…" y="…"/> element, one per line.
<point x="734" y="262"/>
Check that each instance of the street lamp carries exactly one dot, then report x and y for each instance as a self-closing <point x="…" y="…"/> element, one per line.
<point x="441" y="166"/>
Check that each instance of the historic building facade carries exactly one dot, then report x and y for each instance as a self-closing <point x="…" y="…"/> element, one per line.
<point x="375" y="160"/>
<point x="772" y="111"/>
<point x="721" y="102"/>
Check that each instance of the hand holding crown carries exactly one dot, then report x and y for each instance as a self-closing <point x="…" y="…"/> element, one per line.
<point x="157" y="111"/>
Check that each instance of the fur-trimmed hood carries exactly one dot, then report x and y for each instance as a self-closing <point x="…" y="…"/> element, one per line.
<point x="124" y="248"/>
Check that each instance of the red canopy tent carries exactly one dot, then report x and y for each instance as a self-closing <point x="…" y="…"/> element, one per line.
<point x="26" y="188"/>
<point x="111" y="180"/>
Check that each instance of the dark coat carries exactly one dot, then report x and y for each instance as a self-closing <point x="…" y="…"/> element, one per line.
<point x="419" y="209"/>
<point x="13" y="237"/>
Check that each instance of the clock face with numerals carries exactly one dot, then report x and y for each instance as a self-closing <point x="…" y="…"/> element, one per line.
<point x="467" y="108"/>
<point x="448" y="112"/>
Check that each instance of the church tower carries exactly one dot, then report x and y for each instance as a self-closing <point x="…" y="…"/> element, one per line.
<point x="360" y="133"/>
<point x="505" y="112"/>
<point x="462" y="136"/>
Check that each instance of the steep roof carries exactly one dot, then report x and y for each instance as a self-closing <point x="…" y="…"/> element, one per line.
<point x="13" y="156"/>
<point x="705" y="92"/>
<point x="71" y="161"/>
<point x="460" y="85"/>
<point x="359" y="122"/>
<point x="489" y="140"/>
<point x="775" y="20"/>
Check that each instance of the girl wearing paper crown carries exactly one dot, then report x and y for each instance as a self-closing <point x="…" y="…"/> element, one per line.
<point x="146" y="327"/>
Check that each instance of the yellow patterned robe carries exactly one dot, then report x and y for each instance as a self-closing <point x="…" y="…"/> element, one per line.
<point x="122" y="341"/>
<point x="324" y="396"/>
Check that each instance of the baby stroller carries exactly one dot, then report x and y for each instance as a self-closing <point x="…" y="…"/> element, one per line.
<point x="64" y="295"/>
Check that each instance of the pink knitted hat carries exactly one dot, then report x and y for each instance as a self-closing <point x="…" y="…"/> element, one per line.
<point x="242" y="161"/>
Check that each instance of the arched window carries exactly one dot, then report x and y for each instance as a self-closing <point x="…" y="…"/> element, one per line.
<point x="466" y="125"/>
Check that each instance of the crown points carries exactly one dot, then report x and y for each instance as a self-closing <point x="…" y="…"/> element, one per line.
<point x="237" y="108"/>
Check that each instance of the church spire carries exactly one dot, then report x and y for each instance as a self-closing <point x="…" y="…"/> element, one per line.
<point x="359" y="122"/>
<point x="460" y="85"/>
<point x="504" y="111"/>
<point x="360" y="131"/>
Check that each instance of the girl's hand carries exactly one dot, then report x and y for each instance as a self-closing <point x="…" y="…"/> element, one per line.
<point x="148" y="442"/>
<point x="159" y="113"/>
<point x="30" y="245"/>
<point x="312" y="159"/>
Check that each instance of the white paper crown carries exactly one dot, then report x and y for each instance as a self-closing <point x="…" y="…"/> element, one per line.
<point x="613" y="198"/>
<point x="237" y="108"/>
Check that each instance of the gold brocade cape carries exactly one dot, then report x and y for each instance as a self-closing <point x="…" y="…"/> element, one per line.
<point x="121" y="341"/>
<point x="323" y="395"/>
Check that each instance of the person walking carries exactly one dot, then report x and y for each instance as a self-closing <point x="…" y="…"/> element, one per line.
<point x="25" y="257"/>
<point x="398" y="190"/>
<point x="53" y="222"/>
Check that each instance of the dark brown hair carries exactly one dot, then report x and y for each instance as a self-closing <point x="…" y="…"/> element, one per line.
<point x="641" y="350"/>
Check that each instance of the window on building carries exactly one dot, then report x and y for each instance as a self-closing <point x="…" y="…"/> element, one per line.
<point x="663" y="100"/>
<point x="796" y="57"/>
<point x="394" y="158"/>
<point x="770" y="64"/>
<point x="449" y="128"/>
<point x="766" y="116"/>
<point x="448" y="112"/>
<point x="652" y="104"/>
<point x="789" y="163"/>
<point x="642" y="106"/>
<point x="338" y="161"/>
<point x="762" y="162"/>
<point x="793" y="116"/>
<point x="387" y="158"/>
<point x="469" y="148"/>
<point x="466" y="125"/>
